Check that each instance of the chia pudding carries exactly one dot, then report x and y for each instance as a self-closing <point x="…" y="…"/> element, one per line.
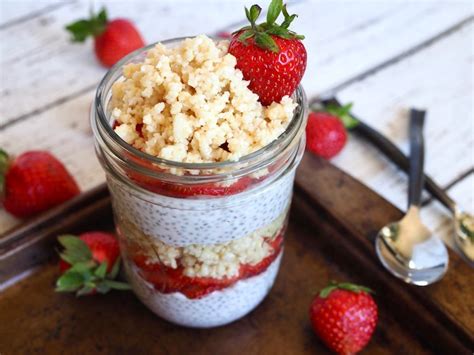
<point x="201" y="178"/>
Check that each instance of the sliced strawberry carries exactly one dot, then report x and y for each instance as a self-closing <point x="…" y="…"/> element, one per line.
<point x="169" y="280"/>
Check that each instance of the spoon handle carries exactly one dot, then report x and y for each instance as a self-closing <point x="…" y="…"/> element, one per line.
<point x="417" y="157"/>
<point x="392" y="152"/>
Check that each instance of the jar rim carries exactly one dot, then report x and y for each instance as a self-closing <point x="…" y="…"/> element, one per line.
<point x="100" y="118"/>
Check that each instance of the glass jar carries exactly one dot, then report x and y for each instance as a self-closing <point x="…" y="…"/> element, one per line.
<point x="201" y="243"/>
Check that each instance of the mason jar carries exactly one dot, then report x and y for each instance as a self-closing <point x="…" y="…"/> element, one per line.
<point x="201" y="243"/>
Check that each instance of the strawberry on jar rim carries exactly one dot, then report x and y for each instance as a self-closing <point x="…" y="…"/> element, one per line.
<point x="113" y="40"/>
<point x="270" y="55"/>
<point x="34" y="182"/>
<point x="344" y="316"/>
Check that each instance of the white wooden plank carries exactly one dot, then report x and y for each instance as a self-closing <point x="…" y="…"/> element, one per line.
<point x="47" y="67"/>
<point x="436" y="78"/>
<point x="13" y="11"/>
<point x="336" y="54"/>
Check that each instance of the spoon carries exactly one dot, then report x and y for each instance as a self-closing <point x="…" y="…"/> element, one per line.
<point x="407" y="248"/>
<point x="462" y="220"/>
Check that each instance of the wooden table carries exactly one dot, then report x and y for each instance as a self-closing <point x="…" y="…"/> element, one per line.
<point x="384" y="56"/>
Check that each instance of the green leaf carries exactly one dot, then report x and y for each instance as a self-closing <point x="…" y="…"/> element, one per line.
<point x="83" y="267"/>
<point x="115" y="269"/>
<point x="69" y="281"/>
<point x="280" y="32"/>
<point x="75" y="249"/>
<point x="84" y="291"/>
<point x="344" y="114"/>
<point x="255" y="11"/>
<point x="102" y="288"/>
<point x="117" y="285"/>
<point x="265" y="41"/>
<point x="102" y="16"/>
<point x="84" y="28"/>
<point x="80" y="30"/>
<point x="247" y="14"/>
<point x="101" y="271"/>
<point x="326" y="291"/>
<point x="245" y="36"/>
<point x="274" y="11"/>
<point x="354" y="288"/>
<point x="288" y="20"/>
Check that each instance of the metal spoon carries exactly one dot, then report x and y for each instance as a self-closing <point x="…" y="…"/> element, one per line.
<point x="463" y="222"/>
<point x="407" y="248"/>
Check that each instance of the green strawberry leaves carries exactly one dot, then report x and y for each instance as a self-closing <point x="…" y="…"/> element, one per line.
<point x="263" y="32"/>
<point x="4" y="164"/>
<point x="69" y="281"/>
<point x="84" y="28"/>
<point x="75" y="250"/>
<point x="344" y="114"/>
<point x="325" y="292"/>
<point x="274" y="11"/>
<point x="85" y="275"/>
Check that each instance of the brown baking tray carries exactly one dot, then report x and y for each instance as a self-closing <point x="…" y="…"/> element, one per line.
<point x="333" y="221"/>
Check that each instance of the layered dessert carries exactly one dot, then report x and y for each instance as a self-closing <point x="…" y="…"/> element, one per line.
<point x="201" y="210"/>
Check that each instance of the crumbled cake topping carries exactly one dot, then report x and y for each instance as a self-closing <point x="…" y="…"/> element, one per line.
<point x="217" y="260"/>
<point x="190" y="104"/>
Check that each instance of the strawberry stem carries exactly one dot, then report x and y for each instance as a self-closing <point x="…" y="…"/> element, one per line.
<point x="262" y="33"/>
<point x="341" y="112"/>
<point x="85" y="274"/>
<point x="325" y="292"/>
<point x="91" y="27"/>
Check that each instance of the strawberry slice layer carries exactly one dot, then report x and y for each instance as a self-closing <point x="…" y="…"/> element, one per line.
<point x="168" y="280"/>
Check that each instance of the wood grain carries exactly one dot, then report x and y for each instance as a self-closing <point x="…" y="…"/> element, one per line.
<point x="331" y="219"/>
<point x="421" y="80"/>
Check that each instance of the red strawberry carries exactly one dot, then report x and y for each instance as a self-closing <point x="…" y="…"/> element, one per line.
<point x="344" y="316"/>
<point x="113" y="40"/>
<point x="325" y="134"/>
<point x="210" y="189"/>
<point x="89" y="264"/>
<point x="224" y="35"/>
<point x="269" y="55"/>
<point x="326" y="130"/>
<point x="34" y="182"/>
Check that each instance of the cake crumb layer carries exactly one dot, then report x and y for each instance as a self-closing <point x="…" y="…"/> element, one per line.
<point x="189" y="103"/>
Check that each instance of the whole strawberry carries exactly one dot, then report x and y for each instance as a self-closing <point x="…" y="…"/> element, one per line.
<point x="34" y="182"/>
<point x="344" y="316"/>
<point x="113" y="40"/>
<point x="269" y="55"/>
<point x="326" y="132"/>
<point x="89" y="264"/>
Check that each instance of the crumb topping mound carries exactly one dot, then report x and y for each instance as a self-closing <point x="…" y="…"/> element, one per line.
<point x="190" y="104"/>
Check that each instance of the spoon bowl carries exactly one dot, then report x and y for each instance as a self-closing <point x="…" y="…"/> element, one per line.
<point x="407" y="248"/>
